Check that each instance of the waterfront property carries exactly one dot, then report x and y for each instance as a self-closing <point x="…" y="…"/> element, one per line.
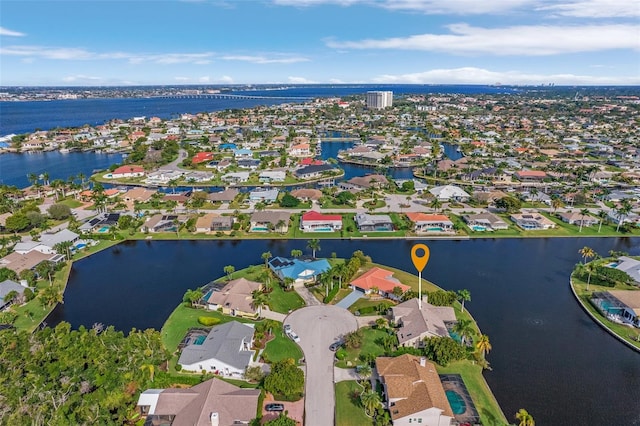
<point x="225" y="351"/>
<point x="621" y="306"/>
<point x="214" y="222"/>
<point x="380" y="281"/>
<point x="264" y="221"/>
<point x="369" y="223"/>
<point x="213" y="402"/>
<point x="101" y="223"/>
<point x="462" y="405"/>
<point x="235" y="298"/>
<point x="629" y="265"/>
<point x="424" y="223"/>
<point x="162" y="223"/>
<point x="227" y="195"/>
<point x="414" y="324"/>
<point x="447" y="193"/>
<point x="578" y="219"/>
<point x="301" y="271"/>
<point x="313" y="221"/>
<point x="8" y="286"/>
<point x="413" y="391"/>
<point x="485" y="222"/>
<point x="532" y="221"/>
<point x="128" y="171"/>
<point x="265" y="195"/>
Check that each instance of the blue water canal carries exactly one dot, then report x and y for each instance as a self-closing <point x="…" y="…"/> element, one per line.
<point x="547" y="357"/>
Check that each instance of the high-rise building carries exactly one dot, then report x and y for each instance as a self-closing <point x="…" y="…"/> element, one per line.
<point x="379" y="99"/>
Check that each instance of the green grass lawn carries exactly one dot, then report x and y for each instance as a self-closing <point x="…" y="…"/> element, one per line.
<point x="281" y="347"/>
<point x="71" y="203"/>
<point x="348" y="411"/>
<point x="365" y="302"/>
<point x="485" y="402"/>
<point x="370" y="345"/>
<point x="284" y="301"/>
<point x="629" y="334"/>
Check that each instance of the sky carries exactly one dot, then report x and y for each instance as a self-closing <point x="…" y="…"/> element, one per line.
<point x="170" y="42"/>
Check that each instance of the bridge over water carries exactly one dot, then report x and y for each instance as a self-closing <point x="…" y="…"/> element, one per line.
<point x="232" y="96"/>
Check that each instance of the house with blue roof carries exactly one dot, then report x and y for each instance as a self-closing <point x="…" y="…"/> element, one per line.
<point x="301" y="271"/>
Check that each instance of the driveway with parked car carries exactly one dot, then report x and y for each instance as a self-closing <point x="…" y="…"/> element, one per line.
<point x="318" y="327"/>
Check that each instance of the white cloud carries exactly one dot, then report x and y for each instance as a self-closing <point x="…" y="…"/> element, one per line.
<point x="226" y="79"/>
<point x="300" y="80"/>
<point x="595" y="8"/>
<point x="531" y="40"/>
<point x="471" y="75"/>
<point x="336" y="81"/>
<point x="459" y="7"/>
<point x="80" y="54"/>
<point x="204" y="79"/>
<point x="80" y="78"/>
<point x="264" y="59"/>
<point x="181" y="79"/>
<point x="10" y="33"/>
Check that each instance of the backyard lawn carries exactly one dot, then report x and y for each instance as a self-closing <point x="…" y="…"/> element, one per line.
<point x="284" y="301"/>
<point x="371" y="345"/>
<point x="349" y="412"/>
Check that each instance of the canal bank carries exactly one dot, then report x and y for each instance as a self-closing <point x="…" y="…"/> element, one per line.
<point x="541" y="341"/>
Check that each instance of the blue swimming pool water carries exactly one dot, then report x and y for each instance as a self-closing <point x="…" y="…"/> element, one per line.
<point x="456" y="402"/>
<point x="199" y="340"/>
<point x="103" y="229"/>
<point x="260" y="228"/>
<point x="479" y="228"/>
<point x="81" y="245"/>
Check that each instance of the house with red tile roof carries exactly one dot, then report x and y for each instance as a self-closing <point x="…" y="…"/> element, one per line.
<point x="423" y="222"/>
<point x="202" y="157"/>
<point x="380" y="281"/>
<point x="127" y="171"/>
<point x="313" y="221"/>
<point x="529" y="175"/>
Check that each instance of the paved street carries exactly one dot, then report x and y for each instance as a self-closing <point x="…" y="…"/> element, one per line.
<point x="318" y="327"/>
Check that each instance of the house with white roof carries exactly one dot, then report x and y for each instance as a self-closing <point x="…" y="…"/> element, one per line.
<point x="449" y="193"/>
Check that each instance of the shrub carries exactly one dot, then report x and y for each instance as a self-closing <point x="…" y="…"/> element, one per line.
<point x="443" y="350"/>
<point x="59" y="211"/>
<point x="442" y="298"/>
<point x="208" y="321"/>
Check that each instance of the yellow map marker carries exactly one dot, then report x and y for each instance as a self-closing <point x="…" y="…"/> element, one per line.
<point x="420" y="262"/>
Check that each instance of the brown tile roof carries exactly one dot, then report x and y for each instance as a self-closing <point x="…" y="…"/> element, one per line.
<point x="237" y="294"/>
<point x="194" y="406"/>
<point x="413" y="386"/>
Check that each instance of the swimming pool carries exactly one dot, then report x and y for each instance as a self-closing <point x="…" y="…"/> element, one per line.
<point x="103" y="229"/>
<point x="479" y="228"/>
<point x="259" y="229"/>
<point x="456" y="402"/>
<point x="79" y="246"/>
<point x="199" y="340"/>
<point x="327" y="229"/>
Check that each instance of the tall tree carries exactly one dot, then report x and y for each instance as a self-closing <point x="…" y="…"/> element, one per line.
<point x="464" y="295"/>
<point x="587" y="253"/>
<point x="313" y="245"/>
<point x="464" y="329"/>
<point x="622" y="211"/>
<point x="483" y="345"/>
<point x="266" y="256"/>
<point x="370" y="401"/>
<point x="602" y="215"/>
<point x="583" y="213"/>
<point x="229" y="270"/>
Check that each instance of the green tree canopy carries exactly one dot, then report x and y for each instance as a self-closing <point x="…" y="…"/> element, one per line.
<point x="285" y="380"/>
<point x="59" y="211"/>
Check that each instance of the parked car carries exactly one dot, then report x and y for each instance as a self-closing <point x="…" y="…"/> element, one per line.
<point x="274" y="407"/>
<point x="293" y="336"/>
<point x="287" y="328"/>
<point x="335" y="346"/>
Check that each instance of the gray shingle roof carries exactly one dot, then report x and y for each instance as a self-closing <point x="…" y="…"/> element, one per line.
<point x="228" y="343"/>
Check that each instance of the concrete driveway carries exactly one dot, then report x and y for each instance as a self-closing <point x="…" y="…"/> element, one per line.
<point x="318" y="327"/>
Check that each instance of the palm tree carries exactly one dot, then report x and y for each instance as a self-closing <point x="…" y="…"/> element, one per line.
<point x="151" y="369"/>
<point x="483" y="345"/>
<point x="313" y="245"/>
<point x="524" y="418"/>
<point x="464" y="295"/>
<point x="464" y="329"/>
<point x="583" y="213"/>
<point x="64" y="247"/>
<point x="229" y="270"/>
<point x="370" y="401"/>
<point x="602" y="215"/>
<point x="556" y="203"/>
<point x="587" y="252"/>
<point x="436" y="204"/>
<point x="364" y="371"/>
<point x="623" y="211"/>
<point x="296" y="253"/>
<point x="266" y="256"/>
<point x="259" y="299"/>
<point x="582" y="269"/>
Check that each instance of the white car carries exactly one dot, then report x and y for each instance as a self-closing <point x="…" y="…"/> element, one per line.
<point x="293" y="336"/>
